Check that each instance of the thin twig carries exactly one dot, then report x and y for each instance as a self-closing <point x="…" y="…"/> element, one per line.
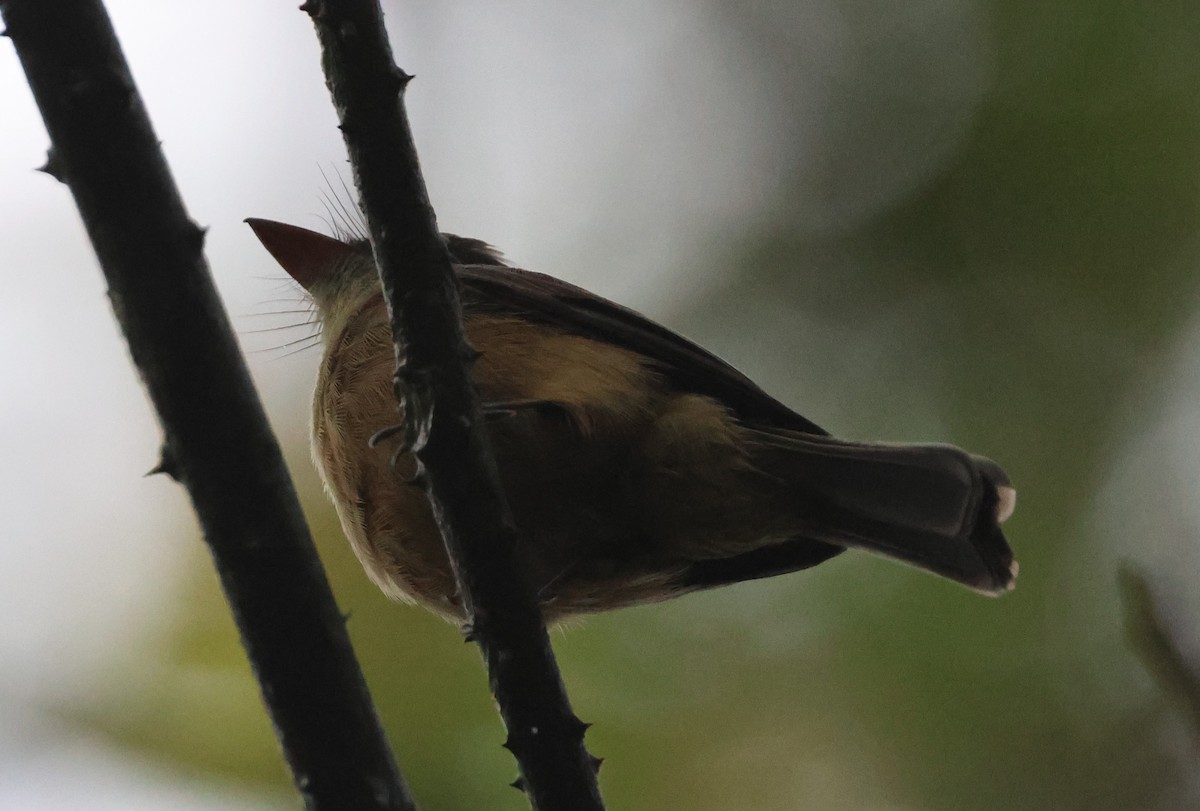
<point x="442" y="410"/>
<point x="217" y="440"/>
<point x="1152" y="637"/>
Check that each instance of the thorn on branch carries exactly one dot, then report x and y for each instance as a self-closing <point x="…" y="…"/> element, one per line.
<point x="197" y="236"/>
<point x="470" y="354"/>
<point x="577" y="727"/>
<point x="166" y="464"/>
<point x="398" y="80"/>
<point x="53" y="166"/>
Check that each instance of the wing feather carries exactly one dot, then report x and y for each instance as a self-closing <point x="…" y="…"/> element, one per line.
<point x="499" y="288"/>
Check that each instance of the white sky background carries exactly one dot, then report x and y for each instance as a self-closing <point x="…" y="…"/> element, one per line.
<point x="602" y="143"/>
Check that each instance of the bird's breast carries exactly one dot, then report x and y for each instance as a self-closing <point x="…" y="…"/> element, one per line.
<point x="593" y="450"/>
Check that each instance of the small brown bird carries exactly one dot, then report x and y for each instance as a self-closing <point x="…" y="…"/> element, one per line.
<point x="638" y="466"/>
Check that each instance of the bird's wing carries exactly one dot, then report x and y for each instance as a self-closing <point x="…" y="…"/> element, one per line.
<point x="575" y="310"/>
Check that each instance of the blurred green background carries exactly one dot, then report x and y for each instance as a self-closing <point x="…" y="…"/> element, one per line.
<point x="966" y="222"/>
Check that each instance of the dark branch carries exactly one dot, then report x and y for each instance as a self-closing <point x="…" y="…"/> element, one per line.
<point x="442" y="410"/>
<point x="1154" y="640"/>
<point x="217" y="441"/>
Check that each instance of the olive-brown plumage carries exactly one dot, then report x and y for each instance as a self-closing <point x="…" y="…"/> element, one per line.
<point x="638" y="466"/>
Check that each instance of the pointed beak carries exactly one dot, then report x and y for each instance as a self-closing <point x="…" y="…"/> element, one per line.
<point x="308" y="257"/>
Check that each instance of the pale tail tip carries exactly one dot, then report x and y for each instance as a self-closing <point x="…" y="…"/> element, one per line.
<point x="999" y="589"/>
<point x="1006" y="504"/>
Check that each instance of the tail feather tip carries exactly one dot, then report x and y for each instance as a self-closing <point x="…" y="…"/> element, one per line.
<point x="1006" y="503"/>
<point x="998" y="588"/>
<point x="1009" y="584"/>
<point x="1014" y="568"/>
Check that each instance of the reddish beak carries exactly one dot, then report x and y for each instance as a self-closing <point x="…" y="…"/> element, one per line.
<point x="307" y="256"/>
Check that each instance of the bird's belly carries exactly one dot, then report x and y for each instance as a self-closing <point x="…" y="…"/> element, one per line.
<point x="615" y="484"/>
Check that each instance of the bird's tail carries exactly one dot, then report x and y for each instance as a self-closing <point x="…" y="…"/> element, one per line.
<point x="933" y="506"/>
